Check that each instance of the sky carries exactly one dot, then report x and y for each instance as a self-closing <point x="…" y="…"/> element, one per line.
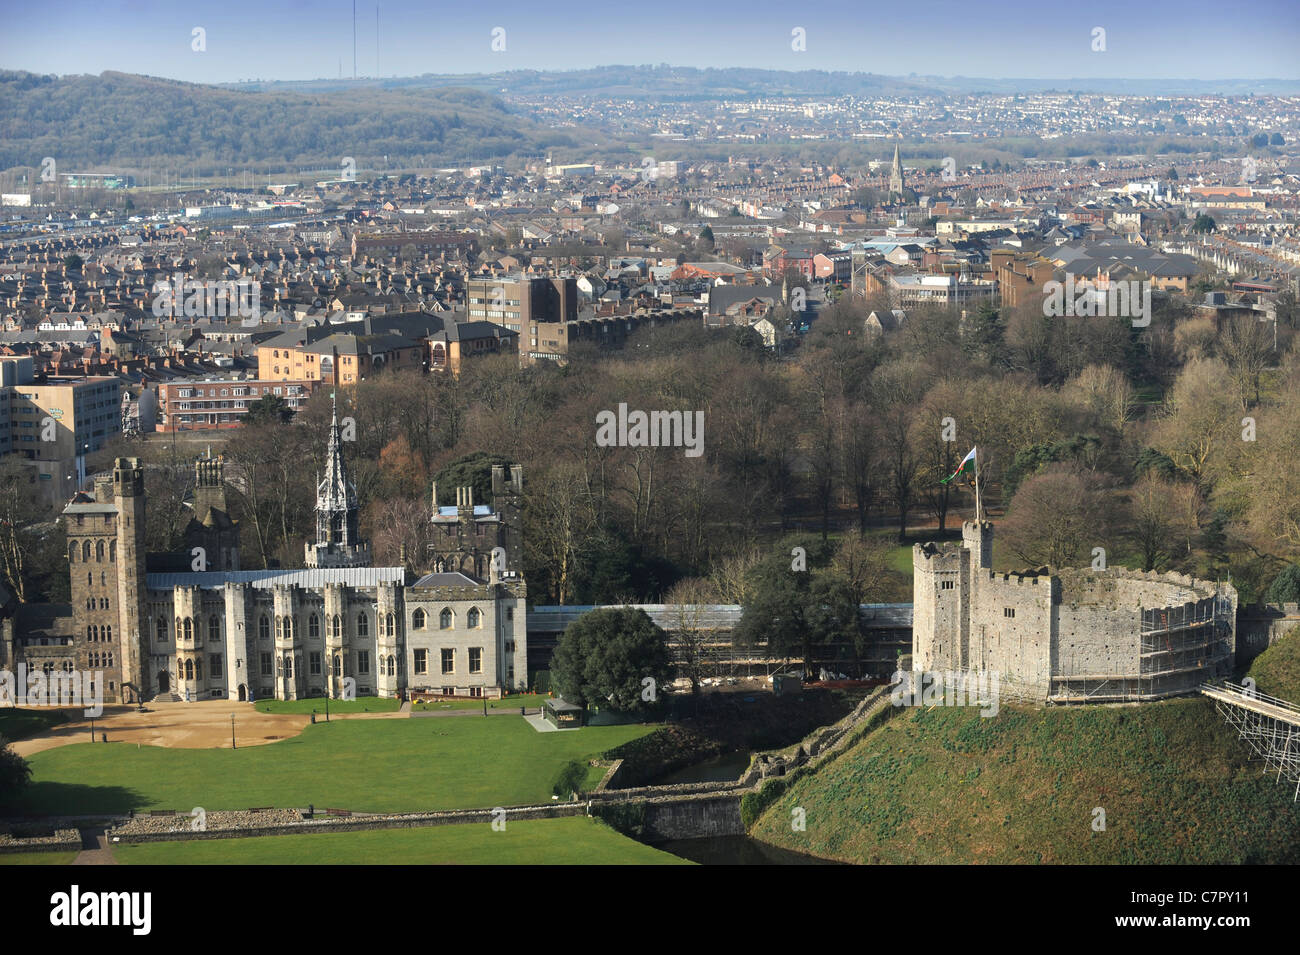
<point x="312" y="39"/>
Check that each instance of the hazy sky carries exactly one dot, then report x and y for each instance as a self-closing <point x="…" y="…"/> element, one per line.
<point x="306" y="39"/>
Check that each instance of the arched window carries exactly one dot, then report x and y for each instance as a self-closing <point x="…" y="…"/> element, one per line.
<point x="92" y="634"/>
<point x="103" y="603"/>
<point x="85" y="551"/>
<point x="417" y="620"/>
<point x="99" y="552"/>
<point x="288" y="665"/>
<point x="214" y="628"/>
<point x="279" y="627"/>
<point x="338" y="626"/>
<point x="72" y="552"/>
<point x="90" y="577"/>
<point x="189" y="669"/>
<point x="110" y="658"/>
<point x="392" y="666"/>
<point x="103" y="579"/>
<point x="189" y="629"/>
<point x="445" y="619"/>
<point x="108" y="634"/>
<point x="388" y="625"/>
<point x="363" y="625"/>
<point x="264" y="627"/>
<point x="112" y="551"/>
<point x="313" y="627"/>
<point x="473" y="618"/>
<point x="279" y="665"/>
<point x="94" y="660"/>
<point x="338" y="665"/>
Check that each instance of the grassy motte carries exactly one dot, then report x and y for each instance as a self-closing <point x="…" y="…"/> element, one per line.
<point x="944" y="785"/>
<point x="573" y="840"/>
<point x="1276" y="671"/>
<point x="362" y="765"/>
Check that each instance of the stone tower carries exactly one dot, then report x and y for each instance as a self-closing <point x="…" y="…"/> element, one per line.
<point x="338" y="537"/>
<point x="943" y="590"/>
<point x="128" y="500"/>
<point x="896" y="182"/>
<point x="212" y="527"/>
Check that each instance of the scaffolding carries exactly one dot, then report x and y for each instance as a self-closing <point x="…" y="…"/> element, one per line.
<point x="1270" y="726"/>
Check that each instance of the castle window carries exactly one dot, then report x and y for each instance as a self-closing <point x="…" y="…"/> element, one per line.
<point x="313" y="627"/>
<point x="338" y="626"/>
<point x="1008" y="612"/>
<point x="99" y="552"/>
<point x="72" y="552"/>
<point x="162" y="629"/>
<point x="313" y="660"/>
<point x="449" y="661"/>
<point x="363" y="625"/>
<point x="475" y="659"/>
<point x="189" y="669"/>
<point x="110" y="662"/>
<point x="363" y="661"/>
<point x="103" y="579"/>
<point x="389" y="625"/>
<point x="421" y="662"/>
<point x="92" y="634"/>
<point x="214" y="629"/>
<point x="214" y="665"/>
<point x="338" y="666"/>
<point x="264" y="628"/>
<point x="266" y="664"/>
<point x="108" y="634"/>
<point x="392" y="666"/>
<point x="112" y="551"/>
<point x="85" y="551"/>
<point x="417" y="620"/>
<point x="473" y="619"/>
<point x="946" y="585"/>
<point x="198" y="669"/>
<point x="90" y="578"/>
<point x="279" y="627"/>
<point x="445" y="619"/>
<point x="288" y="665"/>
<point x="189" y="629"/>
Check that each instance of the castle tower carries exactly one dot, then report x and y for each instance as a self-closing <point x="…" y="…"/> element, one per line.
<point x="133" y="648"/>
<point x="212" y="528"/>
<point x="338" y="537"/>
<point x="977" y="537"/>
<point x="896" y="182"/>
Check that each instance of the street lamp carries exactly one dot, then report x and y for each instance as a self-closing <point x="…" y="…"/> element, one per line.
<point x="232" y="730"/>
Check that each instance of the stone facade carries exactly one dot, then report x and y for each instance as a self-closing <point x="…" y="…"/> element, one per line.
<point x="1069" y="635"/>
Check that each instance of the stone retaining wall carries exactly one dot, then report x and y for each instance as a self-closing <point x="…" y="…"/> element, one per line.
<point x="62" y="840"/>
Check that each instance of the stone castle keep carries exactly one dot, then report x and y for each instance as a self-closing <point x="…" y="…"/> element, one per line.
<point x="1068" y="635"/>
<point x="198" y="627"/>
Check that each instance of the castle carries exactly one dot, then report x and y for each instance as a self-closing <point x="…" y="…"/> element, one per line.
<point x="195" y="626"/>
<point x="1067" y="635"/>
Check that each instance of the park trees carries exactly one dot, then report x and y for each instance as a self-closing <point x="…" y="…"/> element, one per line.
<point x="605" y="657"/>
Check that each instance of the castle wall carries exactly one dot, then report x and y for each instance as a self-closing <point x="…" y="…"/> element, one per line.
<point x="1011" y="620"/>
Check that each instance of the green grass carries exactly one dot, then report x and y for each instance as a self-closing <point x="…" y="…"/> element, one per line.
<point x="1276" y="671"/>
<point x="362" y="765"/>
<point x="946" y="786"/>
<point x="36" y="858"/>
<point x="567" y="841"/>
<point x="530" y="700"/>
<point x="362" y="704"/>
<point x="20" y="723"/>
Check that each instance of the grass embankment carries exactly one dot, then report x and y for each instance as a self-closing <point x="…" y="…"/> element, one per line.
<point x="946" y="786"/>
<point x="513" y="702"/>
<point x="362" y="765"/>
<point x="1276" y="671"/>
<point x="566" y="841"/>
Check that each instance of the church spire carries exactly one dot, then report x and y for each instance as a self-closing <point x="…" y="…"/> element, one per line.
<point x="338" y="535"/>
<point x="896" y="174"/>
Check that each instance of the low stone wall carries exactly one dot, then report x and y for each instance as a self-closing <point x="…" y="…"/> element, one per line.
<point x="356" y="823"/>
<point x="694" y="817"/>
<point x="62" y="840"/>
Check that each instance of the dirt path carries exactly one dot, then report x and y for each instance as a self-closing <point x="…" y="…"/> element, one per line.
<point x="202" y="725"/>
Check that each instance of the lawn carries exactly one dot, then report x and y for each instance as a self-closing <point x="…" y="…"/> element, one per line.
<point x="573" y="840"/>
<point x="362" y="765"/>
<point x="530" y="700"/>
<point x="20" y="723"/>
<point x="36" y="858"/>
<point x="362" y="704"/>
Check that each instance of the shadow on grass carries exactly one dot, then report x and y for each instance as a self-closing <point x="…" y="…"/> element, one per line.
<point x="74" y="799"/>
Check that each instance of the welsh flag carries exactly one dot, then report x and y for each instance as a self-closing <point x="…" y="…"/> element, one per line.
<point x="967" y="468"/>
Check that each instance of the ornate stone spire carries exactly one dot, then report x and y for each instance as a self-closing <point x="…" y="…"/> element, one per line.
<point x="338" y="537"/>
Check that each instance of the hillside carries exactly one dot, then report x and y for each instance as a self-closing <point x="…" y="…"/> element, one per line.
<point x="1276" y="671"/>
<point x="947" y="786"/>
<point x="115" y="119"/>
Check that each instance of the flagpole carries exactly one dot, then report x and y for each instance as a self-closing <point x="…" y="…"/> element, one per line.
<point x="978" y="512"/>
